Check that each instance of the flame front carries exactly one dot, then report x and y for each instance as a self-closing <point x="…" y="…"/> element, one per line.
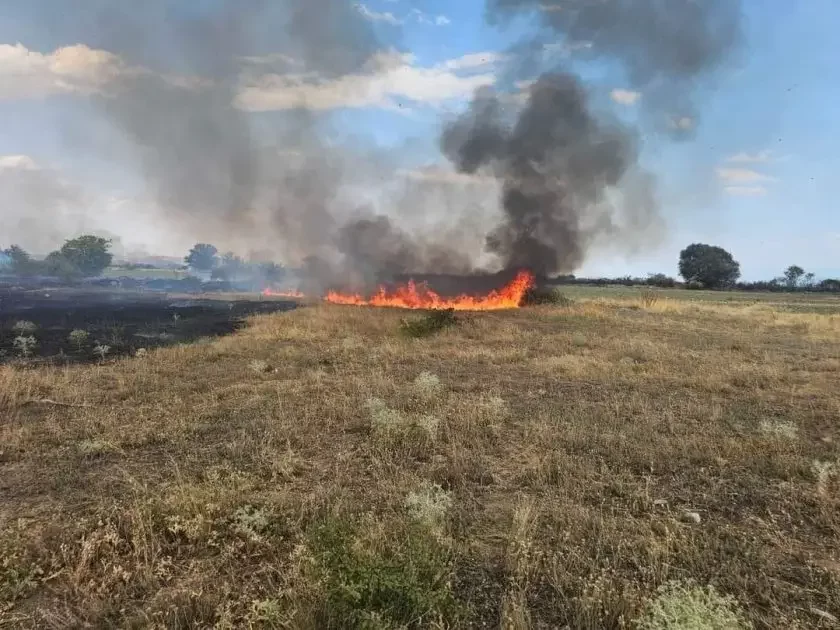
<point x="421" y="297"/>
<point x="289" y="294"/>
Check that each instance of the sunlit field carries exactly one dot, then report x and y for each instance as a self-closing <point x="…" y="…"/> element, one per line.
<point x="600" y="464"/>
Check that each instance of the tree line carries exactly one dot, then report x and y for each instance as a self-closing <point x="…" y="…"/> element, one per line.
<point x="701" y="267"/>
<point x="85" y="256"/>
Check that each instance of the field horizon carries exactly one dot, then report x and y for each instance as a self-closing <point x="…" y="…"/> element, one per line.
<point x="597" y="464"/>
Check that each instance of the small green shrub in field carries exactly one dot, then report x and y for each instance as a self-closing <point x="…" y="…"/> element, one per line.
<point x="429" y="505"/>
<point x="393" y="429"/>
<point x="384" y="419"/>
<point x="543" y="295"/>
<point x="685" y="606"/>
<point x="101" y="351"/>
<point x="78" y="338"/>
<point x="24" y="327"/>
<point x="427" y="385"/>
<point x="25" y="346"/>
<point x="429" y="324"/>
<point x="401" y="580"/>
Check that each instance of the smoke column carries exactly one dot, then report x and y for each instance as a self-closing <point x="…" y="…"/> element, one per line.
<point x="557" y="157"/>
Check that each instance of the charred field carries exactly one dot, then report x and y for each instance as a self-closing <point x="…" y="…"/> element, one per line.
<point x="67" y="325"/>
<point x="547" y="467"/>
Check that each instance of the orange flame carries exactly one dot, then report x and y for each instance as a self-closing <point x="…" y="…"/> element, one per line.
<point x="414" y="297"/>
<point x="289" y="294"/>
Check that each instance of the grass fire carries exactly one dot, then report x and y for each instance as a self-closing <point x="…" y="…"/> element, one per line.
<point x="414" y="296"/>
<point x="328" y="315"/>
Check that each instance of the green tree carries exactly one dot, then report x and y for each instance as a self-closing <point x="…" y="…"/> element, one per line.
<point x="57" y="264"/>
<point x="792" y="276"/>
<point x="88" y="253"/>
<point x="202" y="257"/>
<point x="17" y="260"/>
<point x="272" y="272"/>
<point x="709" y="265"/>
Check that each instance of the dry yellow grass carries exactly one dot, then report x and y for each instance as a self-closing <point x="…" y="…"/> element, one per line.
<point x="189" y="489"/>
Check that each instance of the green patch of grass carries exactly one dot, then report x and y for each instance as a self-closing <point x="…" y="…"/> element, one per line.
<point x="429" y="324"/>
<point x="541" y="295"/>
<point x="370" y="580"/>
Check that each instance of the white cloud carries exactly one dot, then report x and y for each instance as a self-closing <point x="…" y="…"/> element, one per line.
<point x="424" y="18"/>
<point x="442" y="175"/>
<point x="73" y="69"/>
<point x="18" y="162"/>
<point x="391" y="78"/>
<point x="625" y="97"/>
<point x="741" y="176"/>
<point x="746" y="191"/>
<point x="758" y="157"/>
<point x="375" y="16"/>
<point x="683" y="123"/>
<point x="272" y="82"/>
<point x="473" y="61"/>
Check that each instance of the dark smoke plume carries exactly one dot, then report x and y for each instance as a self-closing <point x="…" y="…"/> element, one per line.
<point x="557" y="157"/>
<point x="555" y="161"/>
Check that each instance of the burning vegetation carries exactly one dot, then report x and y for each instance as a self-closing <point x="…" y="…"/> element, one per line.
<point x="414" y="296"/>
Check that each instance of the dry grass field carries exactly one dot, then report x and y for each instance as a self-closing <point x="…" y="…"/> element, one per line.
<point x="604" y="464"/>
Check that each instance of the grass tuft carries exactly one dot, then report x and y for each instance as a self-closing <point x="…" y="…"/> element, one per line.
<point x="536" y="296"/>
<point x="399" y="578"/>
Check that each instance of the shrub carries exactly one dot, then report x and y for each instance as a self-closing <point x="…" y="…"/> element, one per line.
<point x="394" y="430"/>
<point x="24" y="327"/>
<point x="25" y="345"/>
<point x="542" y="295"/>
<point x="429" y="324"/>
<point x="401" y="580"/>
<point x="259" y="366"/>
<point x="684" y="606"/>
<point x="661" y="280"/>
<point x="101" y="351"/>
<point x="429" y="505"/>
<point x="427" y="385"/>
<point x="648" y="297"/>
<point x="78" y="338"/>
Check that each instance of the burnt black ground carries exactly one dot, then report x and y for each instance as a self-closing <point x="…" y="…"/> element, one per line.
<point x="124" y="321"/>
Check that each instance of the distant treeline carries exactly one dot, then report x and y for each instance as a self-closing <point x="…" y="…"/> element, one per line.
<point x="777" y="285"/>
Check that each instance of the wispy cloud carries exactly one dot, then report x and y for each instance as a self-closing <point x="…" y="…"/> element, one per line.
<point x="424" y="18"/>
<point x="741" y="176"/>
<point x="442" y="175"/>
<point x="747" y="158"/>
<point x="271" y="82"/>
<point x="391" y="80"/>
<point x="625" y="97"/>
<point x="76" y="69"/>
<point x="681" y="123"/>
<point x="376" y="16"/>
<point x="19" y="162"/>
<point x="746" y="191"/>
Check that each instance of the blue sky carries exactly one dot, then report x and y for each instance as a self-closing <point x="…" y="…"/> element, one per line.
<point x="757" y="177"/>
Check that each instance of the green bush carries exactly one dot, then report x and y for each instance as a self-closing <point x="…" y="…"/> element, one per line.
<point x="536" y="296"/>
<point x="401" y="580"/>
<point x="428" y="324"/>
